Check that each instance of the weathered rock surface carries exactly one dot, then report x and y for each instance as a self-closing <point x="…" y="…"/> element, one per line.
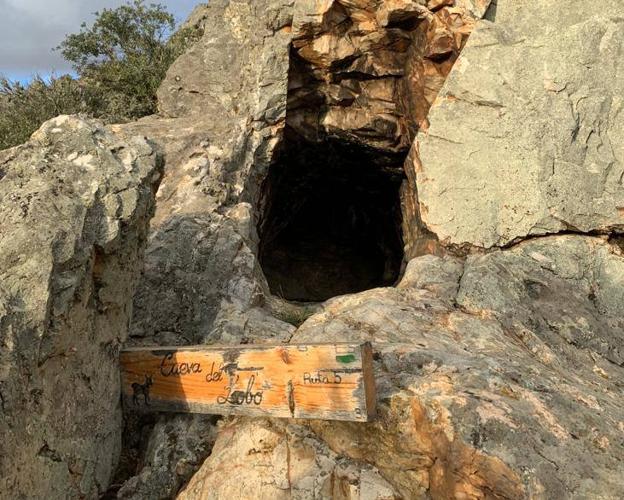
<point x="167" y="460"/>
<point x="223" y="112"/>
<point x="498" y="377"/>
<point x="499" y="374"/>
<point x="281" y="461"/>
<point x="526" y="136"/>
<point x="366" y="72"/>
<point x="75" y="204"/>
<point x="531" y="15"/>
<point x="225" y="100"/>
<point x="223" y="107"/>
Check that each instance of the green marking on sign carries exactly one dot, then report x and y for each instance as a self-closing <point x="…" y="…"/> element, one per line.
<point x="346" y="358"/>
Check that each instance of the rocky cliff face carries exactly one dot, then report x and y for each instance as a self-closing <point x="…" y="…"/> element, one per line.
<point x="493" y="151"/>
<point x="448" y="173"/>
<point x="224" y="102"/>
<point x="244" y="102"/>
<point x="499" y="360"/>
<point x="75" y="203"/>
<point x="498" y="377"/>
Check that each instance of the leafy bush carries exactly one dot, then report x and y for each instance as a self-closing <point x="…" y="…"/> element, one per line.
<point x="120" y="61"/>
<point x="124" y="56"/>
<point x="24" y="108"/>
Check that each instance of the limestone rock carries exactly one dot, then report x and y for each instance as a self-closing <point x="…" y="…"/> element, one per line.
<point x="366" y="72"/>
<point x="227" y="100"/>
<point x="499" y="371"/>
<point x="281" y="461"/>
<point x="223" y="113"/>
<point x="225" y="104"/>
<point x="526" y="136"/>
<point x="479" y="8"/>
<point x="236" y="67"/>
<point x="168" y="461"/>
<point x="527" y="15"/>
<point x="75" y="204"/>
<point x="189" y="253"/>
<point x="500" y="376"/>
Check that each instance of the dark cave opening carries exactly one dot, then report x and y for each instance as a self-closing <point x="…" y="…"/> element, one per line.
<point x="330" y="221"/>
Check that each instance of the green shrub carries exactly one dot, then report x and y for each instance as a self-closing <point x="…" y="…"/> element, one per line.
<point x="296" y="315"/>
<point x="120" y="61"/>
<point x="124" y="56"/>
<point x="24" y="108"/>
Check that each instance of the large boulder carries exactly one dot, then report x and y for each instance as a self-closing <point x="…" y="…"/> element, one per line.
<point x="223" y="107"/>
<point x="497" y="377"/>
<point x="75" y="205"/>
<point x="498" y="371"/>
<point x="223" y="111"/>
<point x="526" y="137"/>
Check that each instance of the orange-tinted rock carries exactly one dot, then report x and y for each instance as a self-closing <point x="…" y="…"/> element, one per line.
<point x="406" y="47"/>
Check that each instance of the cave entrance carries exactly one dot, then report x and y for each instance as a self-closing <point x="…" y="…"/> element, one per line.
<point x="330" y="221"/>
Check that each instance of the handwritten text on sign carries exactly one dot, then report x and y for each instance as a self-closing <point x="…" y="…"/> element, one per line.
<point x="326" y="381"/>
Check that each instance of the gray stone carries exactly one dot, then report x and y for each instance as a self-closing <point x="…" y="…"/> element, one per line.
<point x="185" y="265"/>
<point x="536" y="16"/>
<point x="584" y="271"/>
<point x="498" y="375"/>
<point x="75" y="203"/>
<point x="501" y="377"/>
<point x="223" y="106"/>
<point x="477" y="8"/>
<point x="434" y="274"/>
<point x="526" y="136"/>
<point x="169" y="461"/>
<point x="236" y="67"/>
<point x="282" y="461"/>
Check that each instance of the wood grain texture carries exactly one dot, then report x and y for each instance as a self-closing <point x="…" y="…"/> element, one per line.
<point x="320" y="381"/>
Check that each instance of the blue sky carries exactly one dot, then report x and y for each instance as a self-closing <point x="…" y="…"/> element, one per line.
<point x="29" y="29"/>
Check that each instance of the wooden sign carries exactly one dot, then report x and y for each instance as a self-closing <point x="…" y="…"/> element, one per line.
<point x="317" y="381"/>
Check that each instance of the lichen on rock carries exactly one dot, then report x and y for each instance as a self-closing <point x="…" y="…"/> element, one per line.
<point x="472" y="151"/>
<point x="526" y="136"/>
<point x="496" y="369"/>
<point x="75" y="204"/>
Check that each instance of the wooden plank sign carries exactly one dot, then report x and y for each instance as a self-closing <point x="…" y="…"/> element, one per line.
<point x="317" y="381"/>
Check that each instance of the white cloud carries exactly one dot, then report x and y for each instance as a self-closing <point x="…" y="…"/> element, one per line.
<point x="29" y="29"/>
